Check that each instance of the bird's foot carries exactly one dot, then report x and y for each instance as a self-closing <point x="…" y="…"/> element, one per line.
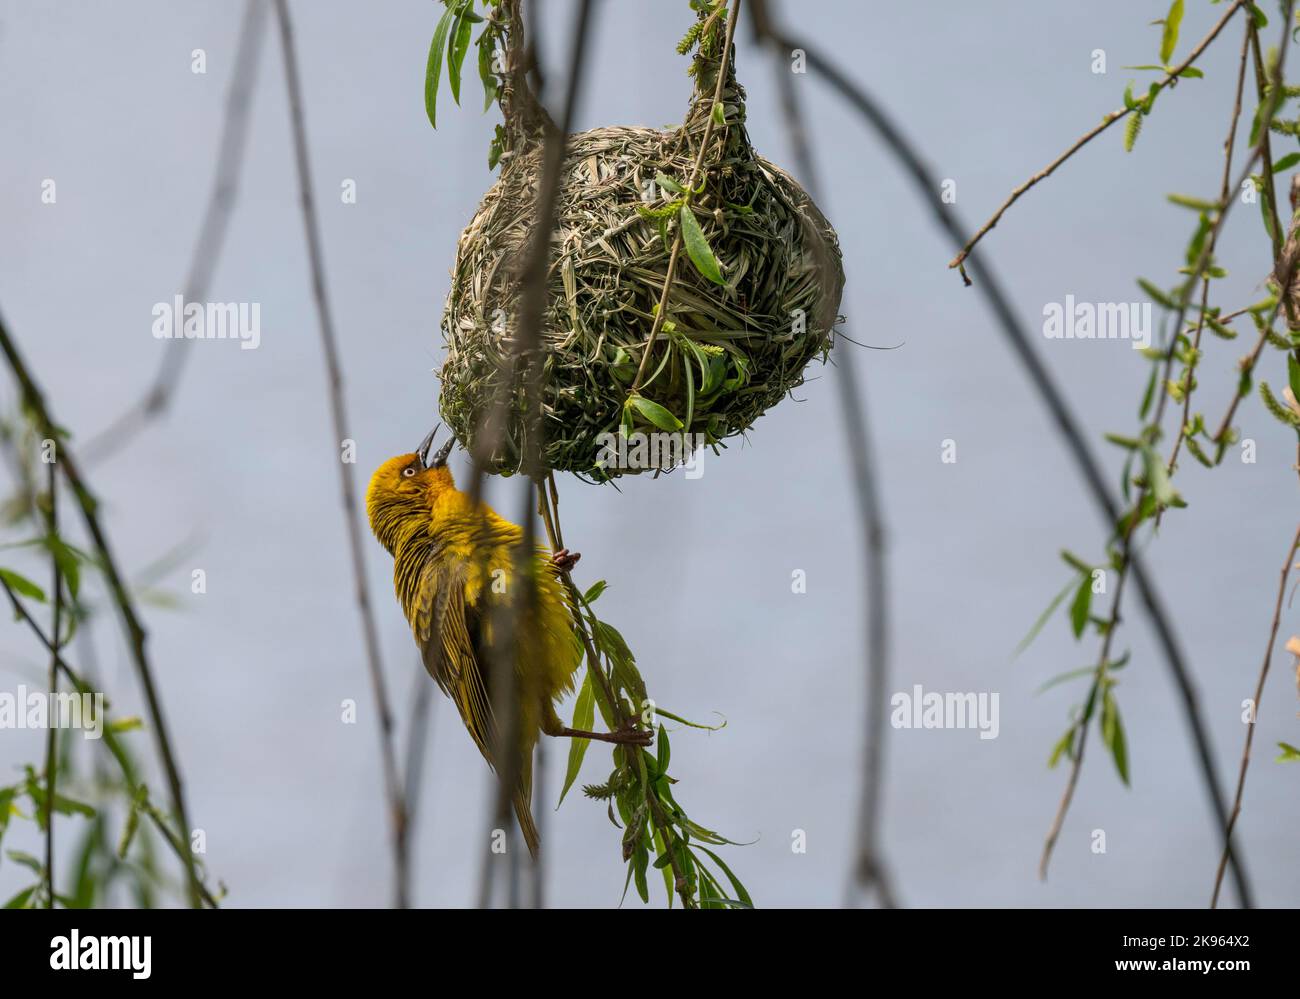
<point x="565" y="560"/>
<point x="627" y="735"/>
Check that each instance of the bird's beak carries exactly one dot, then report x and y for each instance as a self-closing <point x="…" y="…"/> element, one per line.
<point x="440" y="459"/>
<point x="423" y="450"/>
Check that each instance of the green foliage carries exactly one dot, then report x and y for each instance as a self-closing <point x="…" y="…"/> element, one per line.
<point x="450" y="45"/>
<point x="1169" y="37"/>
<point x="657" y="831"/>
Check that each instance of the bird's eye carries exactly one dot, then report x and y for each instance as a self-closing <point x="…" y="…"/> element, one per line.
<point x="409" y="471"/>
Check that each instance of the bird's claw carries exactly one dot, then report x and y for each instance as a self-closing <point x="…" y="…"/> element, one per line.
<point x="565" y="560"/>
<point x="633" y="736"/>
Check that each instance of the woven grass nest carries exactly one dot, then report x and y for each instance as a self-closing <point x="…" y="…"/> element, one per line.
<point x="723" y="354"/>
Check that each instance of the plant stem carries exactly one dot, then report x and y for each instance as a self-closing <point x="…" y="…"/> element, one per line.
<point x="338" y="411"/>
<point x="121" y="598"/>
<point x="51" y="740"/>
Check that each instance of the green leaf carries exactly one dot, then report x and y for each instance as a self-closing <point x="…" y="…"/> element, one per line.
<point x="1112" y="733"/>
<point x="1079" y="608"/>
<point x="1042" y="619"/>
<point x="584" y="716"/>
<point x="739" y="888"/>
<point x="640" y="864"/>
<point x="1293" y="375"/>
<point x="1286" y="162"/>
<point x="26" y="860"/>
<point x="1196" y="204"/>
<point x="1160" y="297"/>
<point x="20" y="900"/>
<point x="23" y="585"/>
<point x="668" y="184"/>
<point x="433" y="71"/>
<point x="1289" y="753"/>
<point x="457" y="46"/>
<point x="1060" y="678"/>
<point x="663" y="753"/>
<point x="68" y="562"/>
<point x="1062" y="748"/>
<point x="655" y="413"/>
<point x="1158" y="478"/>
<point x="1169" y="39"/>
<point x="697" y="246"/>
<point x="129" y="724"/>
<point x="594" y="591"/>
<point x="70" y="806"/>
<point x="486" y="49"/>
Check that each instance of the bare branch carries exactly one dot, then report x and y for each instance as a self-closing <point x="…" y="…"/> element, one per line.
<point x="338" y="409"/>
<point x="1168" y="80"/>
<point x="212" y="235"/>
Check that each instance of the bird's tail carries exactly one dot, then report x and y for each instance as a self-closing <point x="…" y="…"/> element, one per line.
<point x="523" y="810"/>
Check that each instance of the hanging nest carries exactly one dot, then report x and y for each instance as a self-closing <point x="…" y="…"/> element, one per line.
<point x="723" y="354"/>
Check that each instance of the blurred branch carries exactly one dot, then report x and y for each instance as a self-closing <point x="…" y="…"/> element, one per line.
<point x="1168" y="80"/>
<point x="527" y="344"/>
<point x="212" y="235"/>
<point x="1066" y="423"/>
<point x="870" y="869"/>
<point x="392" y="782"/>
<point x="51" y="736"/>
<point x="1254" y="720"/>
<point x="35" y="404"/>
<point x="181" y="845"/>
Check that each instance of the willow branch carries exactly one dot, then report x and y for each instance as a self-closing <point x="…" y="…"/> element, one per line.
<point x="533" y="294"/>
<point x="180" y="845"/>
<point x="1168" y="80"/>
<point x="51" y="740"/>
<point x="86" y="502"/>
<point x="1250" y="728"/>
<point x="338" y="410"/>
<point x="870" y="869"/>
<point x="1224" y="194"/>
<point x="212" y="235"/>
<point x="1049" y="392"/>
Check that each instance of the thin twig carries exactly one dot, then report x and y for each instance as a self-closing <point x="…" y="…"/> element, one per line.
<point x="180" y="845"/>
<point x="1261" y="150"/>
<point x="338" y="409"/>
<point x="1051" y="396"/>
<point x="1254" y="718"/>
<point x="1167" y="80"/>
<point x="51" y="737"/>
<point x="212" y="235"/>
<point x="870" y="869"/>
<point x="86" y="502"/>
<point x="661" y="312"/>
<point x="1225" y="193"/>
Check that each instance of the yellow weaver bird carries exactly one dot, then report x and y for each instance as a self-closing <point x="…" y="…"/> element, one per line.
<point x="447" y="556"/>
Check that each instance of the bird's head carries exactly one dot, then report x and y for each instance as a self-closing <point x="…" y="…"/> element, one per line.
<point x="406" y="484"/>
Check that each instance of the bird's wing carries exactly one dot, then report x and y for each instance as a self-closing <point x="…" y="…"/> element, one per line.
<point x="449" y="633"/>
